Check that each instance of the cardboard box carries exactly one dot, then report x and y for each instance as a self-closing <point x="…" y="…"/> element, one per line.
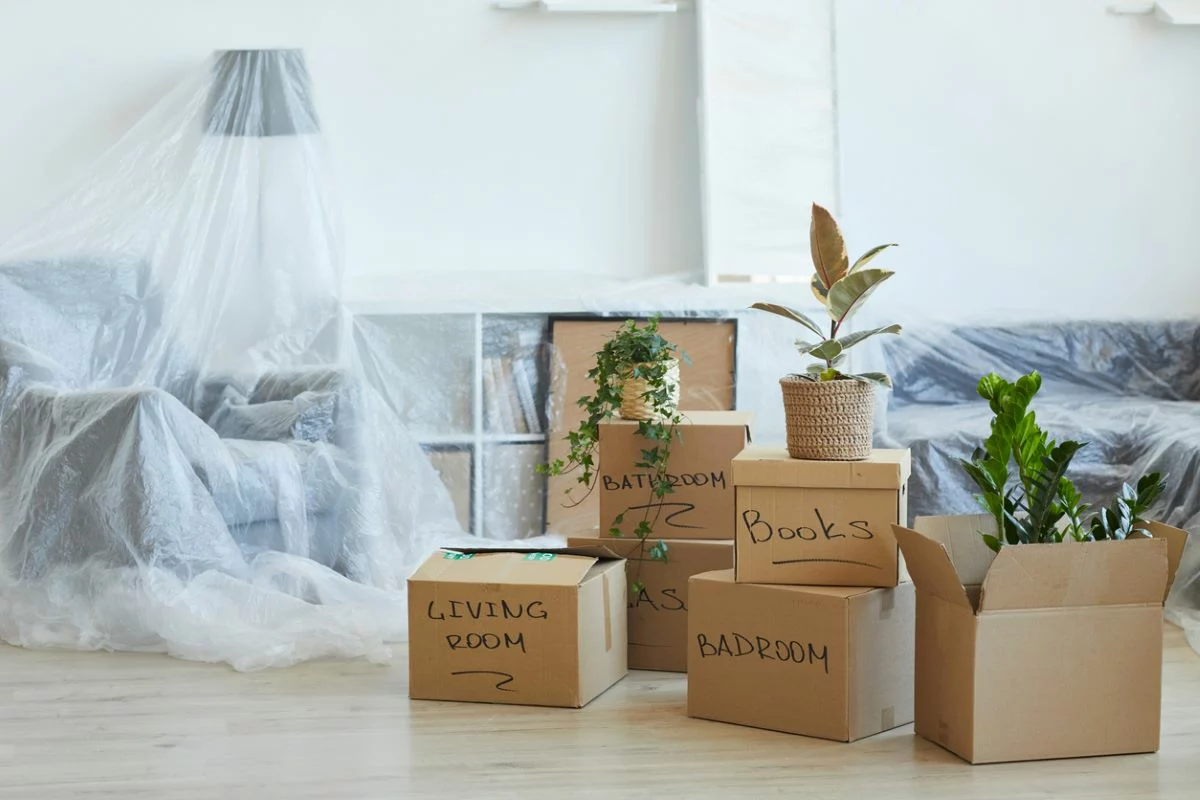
<point x="658" y="631"/>
<point x="1039" y="651"/>
<point x="831" y="662"/>
<point x="819" y="523"/>
<point x="540" y="629"/>
<point x="701" y="507"/>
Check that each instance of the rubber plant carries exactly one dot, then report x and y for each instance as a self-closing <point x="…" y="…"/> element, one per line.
<point x="1022" y="478"/>
<point x="634" y="353"/>
<point x="842" y="289"/>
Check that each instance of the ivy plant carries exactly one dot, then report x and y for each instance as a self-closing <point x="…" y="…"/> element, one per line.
<point x="1022" y="478"/>
<point x="635" y="351"/>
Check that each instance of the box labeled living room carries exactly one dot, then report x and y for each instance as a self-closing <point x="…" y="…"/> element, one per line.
<point x="531" y="628"/>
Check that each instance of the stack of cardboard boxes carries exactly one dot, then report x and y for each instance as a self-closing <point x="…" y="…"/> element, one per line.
<point x="812" y="631"/>
<point x="695" y="520"/>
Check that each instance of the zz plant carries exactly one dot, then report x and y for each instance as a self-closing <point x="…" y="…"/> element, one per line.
<point x="842" y="289"/>
<point x="1021" y="474"/>
<point x="638" y="352"/>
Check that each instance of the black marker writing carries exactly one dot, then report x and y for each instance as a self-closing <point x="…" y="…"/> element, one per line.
<point x="506" y="677"/>
<point x="737" y="645"/>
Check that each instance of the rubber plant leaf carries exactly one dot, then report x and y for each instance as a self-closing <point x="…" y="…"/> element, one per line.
<point x="828" y="248"/>
<point x="851" y="339"/>
<point x="866" y="257"/>
<point x="792" y="314"/>
<point x="847" y="295"/>
<point x="877" y="378"/>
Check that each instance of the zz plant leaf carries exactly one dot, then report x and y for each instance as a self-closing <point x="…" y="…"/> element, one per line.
<point x="1021" y="474"/>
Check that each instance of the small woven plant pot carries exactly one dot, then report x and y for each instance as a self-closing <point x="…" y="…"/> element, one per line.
<point x="828" y="420"/>
<point x="634" y="406"/>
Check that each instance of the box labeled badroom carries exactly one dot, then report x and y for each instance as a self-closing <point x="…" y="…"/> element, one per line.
<point x="658" y="633"/>
<point x="701" y="505"/>
<point x="832" y="662"/>
<point x="542" y="629"/>
<point x="820" y="523"/>
<point x="1041" y="650"/>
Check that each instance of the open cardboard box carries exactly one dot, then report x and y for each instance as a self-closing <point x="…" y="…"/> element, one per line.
<point x="1041" y="650"/>
<point x="545" y="628"/>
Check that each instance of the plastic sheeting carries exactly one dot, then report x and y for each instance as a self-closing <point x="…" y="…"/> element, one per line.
<point x="1131" y="390"/>
<point x="197" y="455"/>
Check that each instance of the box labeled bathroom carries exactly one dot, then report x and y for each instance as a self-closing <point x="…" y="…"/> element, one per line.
<point x="528" y="628"/>
<point x="819" y="523"/>
<point x="701" y="505"/>
<point x="658" y="633"/>
<point x="826" y="661"/>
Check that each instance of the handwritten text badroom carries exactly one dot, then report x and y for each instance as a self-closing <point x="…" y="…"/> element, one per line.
<point x="486" y="609"/>
<point x="737" y="645"/>
<point x="644" y="480"/>
<point x="761" y="530"/>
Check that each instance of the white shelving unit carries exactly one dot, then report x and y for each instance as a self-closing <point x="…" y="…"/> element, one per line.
<point x="446" y="395"/>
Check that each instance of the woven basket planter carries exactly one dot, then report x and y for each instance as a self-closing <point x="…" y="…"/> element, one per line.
<point x="828" y="420"/>
<point x="634" y="406"/>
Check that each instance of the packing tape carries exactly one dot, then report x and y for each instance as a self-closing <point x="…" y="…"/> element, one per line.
<point x="887" y="718"/>
<point x="607" y="614"/>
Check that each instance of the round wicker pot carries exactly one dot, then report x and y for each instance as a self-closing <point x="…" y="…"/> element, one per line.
<point x="828" y="420"/>
<point x="634" y="406"/>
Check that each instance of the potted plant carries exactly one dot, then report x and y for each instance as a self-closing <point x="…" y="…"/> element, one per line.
<point x="830" y="414"/>
<point x="1036" y="503"/>
<point x="636" y="377"/>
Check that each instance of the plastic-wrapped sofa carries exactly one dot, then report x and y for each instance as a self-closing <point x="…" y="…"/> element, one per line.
<point x="1130" y="389"/>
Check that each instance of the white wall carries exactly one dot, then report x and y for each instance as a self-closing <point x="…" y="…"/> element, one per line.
<point x="1030" y="156"/>
<point x="464" y="138"/>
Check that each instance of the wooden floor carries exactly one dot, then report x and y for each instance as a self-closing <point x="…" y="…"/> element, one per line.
<point x="88" y="725"/>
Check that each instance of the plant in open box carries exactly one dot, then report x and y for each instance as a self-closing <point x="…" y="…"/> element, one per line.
<point x="636" y="378"/>
<point x="1036" y="503"/>
<point x="830" y="413"/>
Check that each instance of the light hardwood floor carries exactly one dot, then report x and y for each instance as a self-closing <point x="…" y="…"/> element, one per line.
<point x="93" y="725"/>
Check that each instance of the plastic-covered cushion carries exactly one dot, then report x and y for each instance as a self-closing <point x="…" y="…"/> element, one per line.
<point x="309" y="417"/>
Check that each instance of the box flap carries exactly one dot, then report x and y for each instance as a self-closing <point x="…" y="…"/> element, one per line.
<point x="961" y="535"/>
<point x="741" y="419"/>
<point x="1176" y="541"/>
<point x="930" y="567"/>
<point x="772" y="466"/>
<point x="1132" y="572"/>
<point x="558" y="567"/>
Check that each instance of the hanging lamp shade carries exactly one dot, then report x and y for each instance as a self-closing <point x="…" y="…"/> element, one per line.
<point x="261" y="93"/>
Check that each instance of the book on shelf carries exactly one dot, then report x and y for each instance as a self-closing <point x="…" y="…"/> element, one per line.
<point x="502" y="397"/>
<point x="525" y="376"/>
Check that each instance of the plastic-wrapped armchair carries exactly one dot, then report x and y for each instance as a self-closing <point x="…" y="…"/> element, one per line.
<point x="171" y="469"/>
